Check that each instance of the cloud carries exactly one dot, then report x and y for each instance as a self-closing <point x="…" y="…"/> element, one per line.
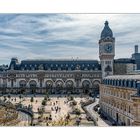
<point x="48" y="36"/>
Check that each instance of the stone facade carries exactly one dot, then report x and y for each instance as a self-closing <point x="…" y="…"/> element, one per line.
<point x="41" y="81"/>
<point x="119" y="99"/>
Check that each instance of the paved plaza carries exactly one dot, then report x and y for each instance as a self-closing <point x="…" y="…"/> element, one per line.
<point x="57" y="107"/>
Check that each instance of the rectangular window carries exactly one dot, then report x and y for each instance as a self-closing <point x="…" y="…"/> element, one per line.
<point x="107" y="62"/>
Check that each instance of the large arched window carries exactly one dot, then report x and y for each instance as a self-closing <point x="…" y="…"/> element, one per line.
<point x="86" y="84"/>
<point x="33" y="84"/>
<point x="59" y="84"/>
<point x="96" y="84"/>
<point x="22" y="83"/>
<point x="69" y="84"/>
<point x="49" y="84"/>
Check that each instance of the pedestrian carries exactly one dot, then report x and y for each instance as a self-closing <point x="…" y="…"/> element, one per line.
<point x="46" y="118"/>
<point x="50" y="117"/>
<point x="47" y="124"/>
<point x="55" y="108"/>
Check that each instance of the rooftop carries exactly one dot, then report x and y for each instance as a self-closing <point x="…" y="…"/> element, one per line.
<point x="106" y="32"/>
<point x="59" y="60"/>
<point x="124" y="77"/>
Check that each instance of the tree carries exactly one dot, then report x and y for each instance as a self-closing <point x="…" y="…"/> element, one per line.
<point x="44" y="102"/>
<point x="68" y="117"/>
<point x="5" y="98"/>
<point x="74" y="103"/>
<point x="78" y="121"/>
<point x="40" y="111"/>
<point x="20" y="97"/>
<point x="32" y="99"/>
<point x="45" y="98"/>
<point x="9" y="96"/>
<point x="47" y="94"/>
<point x="70" y="98"/>
<point x="77" y="111"/>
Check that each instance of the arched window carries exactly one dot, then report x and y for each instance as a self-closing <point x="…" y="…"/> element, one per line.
<point x="22" y="83"/>
<point x="49" y="84"/>
<point x="127" y="83"/>
<point x="86" y="84"/>
<point x="59" y="84"/>
<point x="130" y="84"/>
<point x="69" y="84"/>
<point x="123" y="83"/>
<point x="32" y="84"/>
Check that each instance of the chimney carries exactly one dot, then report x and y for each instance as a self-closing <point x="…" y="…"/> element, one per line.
<point x="136" y="48"/>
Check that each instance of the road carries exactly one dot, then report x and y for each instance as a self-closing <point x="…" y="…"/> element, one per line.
<point x="94" y="115"/>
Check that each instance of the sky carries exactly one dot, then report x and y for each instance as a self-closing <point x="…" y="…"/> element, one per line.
<point x="64" y="36"/>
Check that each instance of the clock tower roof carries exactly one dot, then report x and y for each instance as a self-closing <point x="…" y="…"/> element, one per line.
<point x="106" y="32"/>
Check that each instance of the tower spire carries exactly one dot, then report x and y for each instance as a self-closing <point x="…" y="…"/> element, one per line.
<point x="106" y="32"/>
<point x="106" y="23"/>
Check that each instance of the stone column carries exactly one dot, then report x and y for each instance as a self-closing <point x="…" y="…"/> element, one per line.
<point x="40" y="85"/>
<point x="40" y="76"/>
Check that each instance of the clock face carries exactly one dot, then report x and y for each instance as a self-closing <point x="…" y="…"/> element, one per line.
<point x="108" y="48"/>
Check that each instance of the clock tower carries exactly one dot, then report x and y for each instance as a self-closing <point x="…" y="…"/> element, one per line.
<point x="106" y="50"/>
